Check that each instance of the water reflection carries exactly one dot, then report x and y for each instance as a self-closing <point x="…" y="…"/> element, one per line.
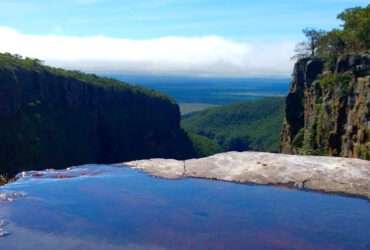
<point x="103" y="207"/>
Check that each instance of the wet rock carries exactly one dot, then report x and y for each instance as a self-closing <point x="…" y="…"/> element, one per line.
<point x="3" y="223"/>
<point x="6" y="196"/>
<point x="3" y="232"/>
<point x="72" y="172"/>
<point x="326" y="174"/>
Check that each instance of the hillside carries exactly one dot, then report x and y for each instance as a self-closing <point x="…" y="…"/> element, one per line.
<point x="328" y="106"/>
<point x="53" y="118"/>
<point x="253" y="125"/>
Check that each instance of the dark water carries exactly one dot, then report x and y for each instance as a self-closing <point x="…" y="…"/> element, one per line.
<point x="212" y="90"/>
<point x="102" y="207"/>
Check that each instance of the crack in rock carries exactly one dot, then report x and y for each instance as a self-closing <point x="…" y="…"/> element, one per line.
<point x="324" y="174"/>
<point x="184" y="171"/>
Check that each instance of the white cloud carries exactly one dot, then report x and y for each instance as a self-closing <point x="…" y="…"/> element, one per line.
<point x="209" y="55"/>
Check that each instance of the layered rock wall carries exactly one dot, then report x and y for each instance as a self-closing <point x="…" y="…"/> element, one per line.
<point x="328" y="111"/>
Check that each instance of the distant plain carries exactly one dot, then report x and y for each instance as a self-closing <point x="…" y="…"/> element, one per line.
<point x="199" y="93"/>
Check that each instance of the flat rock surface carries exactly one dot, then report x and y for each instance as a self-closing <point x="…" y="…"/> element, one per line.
<point x="326" y="174"/>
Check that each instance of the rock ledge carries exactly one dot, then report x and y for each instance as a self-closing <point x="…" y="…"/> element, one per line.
<point x="325" y="174"/>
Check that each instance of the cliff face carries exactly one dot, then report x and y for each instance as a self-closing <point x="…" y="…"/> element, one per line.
<point x="328" y="111"/>
<point x="53" y="120"/>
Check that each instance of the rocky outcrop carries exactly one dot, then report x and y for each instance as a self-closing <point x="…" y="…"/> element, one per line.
<point x="325" y="174"/>
<point x="51" y="118"/>
<point x="328" y="111"/>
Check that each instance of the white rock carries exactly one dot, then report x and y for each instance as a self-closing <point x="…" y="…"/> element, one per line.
<point x="327" y="174"/>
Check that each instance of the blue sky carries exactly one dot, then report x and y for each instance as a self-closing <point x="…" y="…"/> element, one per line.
<point x="235" y="21"/>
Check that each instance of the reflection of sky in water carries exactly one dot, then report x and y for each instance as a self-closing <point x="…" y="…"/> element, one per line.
<point x="119" y="208"/>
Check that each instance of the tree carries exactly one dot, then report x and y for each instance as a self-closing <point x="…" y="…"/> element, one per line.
<point x="332" y="44"/>
<point x="301" y="51"/>
<point x="352" y="37"/>
<point x="309" y="47"/>
<point x="356" y="28"/>
<point x="313" y="39"/>
<point x="237" y="143"/>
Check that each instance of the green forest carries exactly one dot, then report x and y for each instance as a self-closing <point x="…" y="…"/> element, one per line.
<point x="252" y="125"/>
<point x="54" y="118"/>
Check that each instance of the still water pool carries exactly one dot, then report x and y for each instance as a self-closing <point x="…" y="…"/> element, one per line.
<point x="105" y="207"/>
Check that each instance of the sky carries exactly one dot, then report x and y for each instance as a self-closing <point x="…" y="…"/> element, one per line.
<point x="166" y="37"/>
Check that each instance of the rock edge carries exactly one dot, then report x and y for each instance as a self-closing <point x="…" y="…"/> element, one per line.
<point x="324" y="174"/>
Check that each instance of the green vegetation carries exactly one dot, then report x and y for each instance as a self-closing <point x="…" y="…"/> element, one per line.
<point x="187" y="108"/>
<point x="204" y="146"/>
<point x="332" y="109"/>
<point x="53" y="118"/>
<point x="308" y="48"/>
<point x="352" y="37"/>
<point x="253" y="125"/>
<point x="314" y="138"/>
<point x="333" y="80"/>
<point x="363" y="151"/>
<point x="12" y="62"/>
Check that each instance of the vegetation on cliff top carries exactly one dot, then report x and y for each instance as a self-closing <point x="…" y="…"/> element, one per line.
<point x="54" y="118"/>
<point x="253" y="125"/>
<point x="352" y="37"/>
<point x="11" y="62"/>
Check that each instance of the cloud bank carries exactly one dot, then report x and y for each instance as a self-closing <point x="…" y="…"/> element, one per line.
<point x="195" y="56"/>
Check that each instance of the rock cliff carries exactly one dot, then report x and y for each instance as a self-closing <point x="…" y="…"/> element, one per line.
<point x="52" y="118"/>
<point x="328" y="108"/>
